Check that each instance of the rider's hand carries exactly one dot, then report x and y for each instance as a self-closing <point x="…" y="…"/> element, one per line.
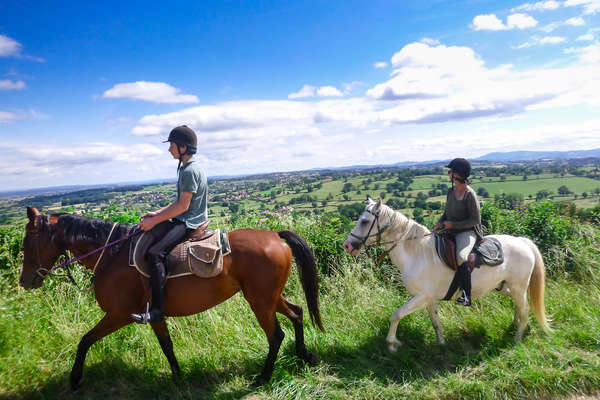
<point x="148" y="223"/>
<point x="149" y="214"/>
<point x="447" y="225"/>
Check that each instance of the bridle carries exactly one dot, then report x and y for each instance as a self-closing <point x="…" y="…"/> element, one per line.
<point x="380" y="231"/>
<point x="44" y="272"/>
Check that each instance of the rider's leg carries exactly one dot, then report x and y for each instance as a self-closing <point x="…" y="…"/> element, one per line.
<point x="156" y="257"/>
<point x="464" y="244"/>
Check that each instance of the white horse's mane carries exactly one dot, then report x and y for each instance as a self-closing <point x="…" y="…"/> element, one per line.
<point x="404" y="227"/>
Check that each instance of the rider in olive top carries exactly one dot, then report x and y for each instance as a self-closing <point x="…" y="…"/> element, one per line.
<point x="462" y="218"/>
<point x="170" y="224"/>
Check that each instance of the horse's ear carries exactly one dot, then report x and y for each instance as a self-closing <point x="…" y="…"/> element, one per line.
<point x="378" y="202"/>
<point x="369" y="201"/>
<point x="32" y="212"/>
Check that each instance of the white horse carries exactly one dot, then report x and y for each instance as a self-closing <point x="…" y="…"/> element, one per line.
<point x="411" y="246"/>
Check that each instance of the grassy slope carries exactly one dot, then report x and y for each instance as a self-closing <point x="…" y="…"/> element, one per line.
<point x="221" y="349"/>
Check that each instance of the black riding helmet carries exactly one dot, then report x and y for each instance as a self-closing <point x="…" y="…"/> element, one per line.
<point x="460" y="166"/>
<point x="183" y="135"/>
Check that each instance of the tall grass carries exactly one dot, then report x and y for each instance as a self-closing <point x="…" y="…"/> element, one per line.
<point x="222" y="349"/>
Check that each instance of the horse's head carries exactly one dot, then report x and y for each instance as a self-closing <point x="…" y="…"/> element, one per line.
<point x="39" y="250"/>
<point x="368" y="227"/>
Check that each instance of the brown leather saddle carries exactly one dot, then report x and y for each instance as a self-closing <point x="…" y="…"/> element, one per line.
<point x="487" y="251"/>
<point x="201" y="253"/>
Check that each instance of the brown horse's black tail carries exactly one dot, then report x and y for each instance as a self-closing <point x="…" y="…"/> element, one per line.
<point x="308" y="273"/>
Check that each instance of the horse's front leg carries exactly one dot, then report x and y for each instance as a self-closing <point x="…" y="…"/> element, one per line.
<point x="414" y="304"/>
<point x="107" y="325"/>
<point x="435" y="321"/>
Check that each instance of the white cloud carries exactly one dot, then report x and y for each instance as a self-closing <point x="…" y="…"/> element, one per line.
<point x="521" y="21"/>
<point x="586" y="37"/>
<point x="589" y="6"/>
<point x="380" y="64"/>
<point x="7" y="116"/>
<point x="349" y="87"/>
<point x="536" y="41"/>
<point x="429" y="41"/>
<point x="10" y="85"/>
<point x="575" y="21"/>
<point x="589" y="54"/>
<point x="306" y="91"/>
<point x="9" y="47"/>
<point x="157" y="92"/>
<point x="490" y="22"/>
<point x="328" y="91"/>
<point x="312" y="91"/>
<point x="552" y="40"/>
<point x="538" y="6"/>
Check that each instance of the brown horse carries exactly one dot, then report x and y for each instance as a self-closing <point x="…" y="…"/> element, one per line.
<point x="259" y="265"/>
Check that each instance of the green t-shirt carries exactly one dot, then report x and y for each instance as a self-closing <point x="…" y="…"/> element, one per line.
<point x="191" y="178"/>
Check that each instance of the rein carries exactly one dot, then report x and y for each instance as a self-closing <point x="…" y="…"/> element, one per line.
<point x="43" y="272"/>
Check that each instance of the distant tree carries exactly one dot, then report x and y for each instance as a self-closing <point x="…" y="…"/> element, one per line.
<point x="542" y="194"/>
<point x="396" y="203"/>
<point x="347" y="187"/>
<point x="563" y="190"/>
<point x="418" y="215"/>
<point x="482" y="192"/>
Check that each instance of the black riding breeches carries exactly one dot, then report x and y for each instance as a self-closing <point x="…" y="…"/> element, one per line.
<point x="168" y="235"/>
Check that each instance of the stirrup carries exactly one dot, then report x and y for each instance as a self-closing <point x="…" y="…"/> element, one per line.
<point x="146" y="316"/>
<point x="464" y="300"/>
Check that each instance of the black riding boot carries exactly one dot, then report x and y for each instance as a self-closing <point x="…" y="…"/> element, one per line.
<point x="465" y="283"/>
<point x="157" y="283"/>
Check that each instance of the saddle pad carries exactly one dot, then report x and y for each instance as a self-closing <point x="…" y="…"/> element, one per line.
<point x="487" y="252"/>
<point x="203" y="258"/>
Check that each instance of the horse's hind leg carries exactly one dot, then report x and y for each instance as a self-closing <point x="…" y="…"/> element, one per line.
<point x="519" y="296"/>
<point x="107" y="325"/>
<point x="269" y="324"/>
<point x="435" y="321"/>
<point x="294" y="313"/>
<point x="162" y="334"/>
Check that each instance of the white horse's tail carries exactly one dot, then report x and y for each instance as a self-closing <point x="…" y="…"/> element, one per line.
<point x="537" y="285"/>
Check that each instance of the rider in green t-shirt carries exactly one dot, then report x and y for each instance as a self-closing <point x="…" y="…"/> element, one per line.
<point x="170" y="225"/>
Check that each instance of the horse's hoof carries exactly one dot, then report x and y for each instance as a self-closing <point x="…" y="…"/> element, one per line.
<point x="393" y="347"/>
<point x="312" y="358"/>
<point x="75" y="384"/>
<point x="259" y="381"/>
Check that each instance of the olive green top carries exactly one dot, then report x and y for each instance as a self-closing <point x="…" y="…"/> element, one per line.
<point x="464" y="214"/>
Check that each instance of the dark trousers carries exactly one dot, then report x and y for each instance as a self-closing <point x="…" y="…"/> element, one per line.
<point x="168" y="234"/>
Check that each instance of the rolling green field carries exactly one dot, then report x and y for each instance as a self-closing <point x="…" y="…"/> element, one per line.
<point x="222" y="350"/>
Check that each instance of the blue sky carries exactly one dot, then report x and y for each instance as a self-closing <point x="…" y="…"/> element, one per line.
<point x="87" y="94"/>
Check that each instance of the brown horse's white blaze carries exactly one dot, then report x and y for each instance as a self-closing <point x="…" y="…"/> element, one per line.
<point x="259" y="265"/>
<point x="427" y="279"/>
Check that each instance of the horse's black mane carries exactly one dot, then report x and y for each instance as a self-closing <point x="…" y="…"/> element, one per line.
<point x="77" y="228"/>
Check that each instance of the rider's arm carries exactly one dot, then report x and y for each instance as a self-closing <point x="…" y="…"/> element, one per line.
<point x="174" y="209"/>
